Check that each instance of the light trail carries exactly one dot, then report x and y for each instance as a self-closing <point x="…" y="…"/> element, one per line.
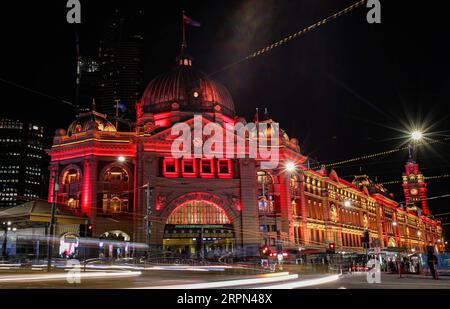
<point x="64" y="276"/>
<point x="302" y="283"/>
<point x="270" y="278"/>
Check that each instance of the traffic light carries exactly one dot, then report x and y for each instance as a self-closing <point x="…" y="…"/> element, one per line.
<point x="89" y="230"/>
<point x="265" y="251"/>
<point x="331" y="248"/>
<point x="86" y="230"/>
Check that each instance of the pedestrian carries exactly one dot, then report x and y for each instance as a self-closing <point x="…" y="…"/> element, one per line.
<point x="432" y="261"/>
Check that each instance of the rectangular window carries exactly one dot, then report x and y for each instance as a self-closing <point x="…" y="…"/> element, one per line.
<point x="224" y="168"/>
<point x="189" y="168"/>
<point x="207" y="168"/>
<point x="170" y="167"/>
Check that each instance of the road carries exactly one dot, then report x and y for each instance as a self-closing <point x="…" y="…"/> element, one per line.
<point x="198" y="278"/>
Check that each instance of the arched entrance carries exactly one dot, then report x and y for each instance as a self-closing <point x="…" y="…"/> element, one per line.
<point x="68" y="245"/>
<point x="197" y="229"/>
<point x="114" y="244"/>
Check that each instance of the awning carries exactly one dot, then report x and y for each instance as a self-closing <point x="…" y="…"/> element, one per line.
<point x="40" y="212"/>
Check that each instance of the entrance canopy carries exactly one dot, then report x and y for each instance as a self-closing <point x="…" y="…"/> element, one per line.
<point x="38" y="212"/>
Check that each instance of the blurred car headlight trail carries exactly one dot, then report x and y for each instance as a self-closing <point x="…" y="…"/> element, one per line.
<point x="302" y="283"/>
<point x="229" y="283"/>
<point x="63" y="276"/>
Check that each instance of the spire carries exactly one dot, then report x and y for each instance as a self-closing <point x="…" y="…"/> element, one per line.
<point x="93" y="107"/>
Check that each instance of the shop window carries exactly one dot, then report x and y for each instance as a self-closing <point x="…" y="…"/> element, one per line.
<point x="189" y="168"/>
<point x="225" y="169"/>
<point x="207" y="168"/>
<point x="170" y="167"/>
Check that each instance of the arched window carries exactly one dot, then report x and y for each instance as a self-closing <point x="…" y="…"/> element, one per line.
<point x="70" y="190"/>
<point x="116" y="175"/>
<point x="264" y="177"/>
<point x="265" y="192"/>
<point x="116" y="187"/>
<point x="71" y="176"/>
<point x="200" y="213"/>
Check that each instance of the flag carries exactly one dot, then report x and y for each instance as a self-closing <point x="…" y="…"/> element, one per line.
<point x="121" y="106"/>
<point x="189" y="21"/>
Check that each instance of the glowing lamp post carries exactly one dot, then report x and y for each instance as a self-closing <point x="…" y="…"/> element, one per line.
<point x="6" y="228"/>
<point x="290" y="167"/>
<point x="416" y="135"/>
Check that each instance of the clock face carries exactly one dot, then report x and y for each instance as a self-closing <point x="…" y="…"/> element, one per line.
<point x="414" y="191"/>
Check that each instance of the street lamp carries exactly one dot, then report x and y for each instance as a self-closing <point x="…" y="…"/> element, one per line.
<point x="290" y="167"/>
<point x="416" y="135"/>
<point x="6" y="228"/>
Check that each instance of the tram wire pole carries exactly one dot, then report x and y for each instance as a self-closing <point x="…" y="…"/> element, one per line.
<point x="52" y="220"/>
<point x="148" y="212"/>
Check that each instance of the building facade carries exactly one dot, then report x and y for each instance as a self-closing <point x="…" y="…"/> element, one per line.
<point x="131" y="183"/>
<point x="23" y="162"/>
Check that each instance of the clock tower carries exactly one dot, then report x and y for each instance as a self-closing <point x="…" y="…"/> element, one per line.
<point x="414" y="187"/>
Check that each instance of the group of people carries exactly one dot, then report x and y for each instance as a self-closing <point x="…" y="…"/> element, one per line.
<point x="406" y="265"/>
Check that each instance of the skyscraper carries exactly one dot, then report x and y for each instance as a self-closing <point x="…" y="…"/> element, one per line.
<point x="89" y="78"/>
<point x="121" y="73"/>
<point x="23" y="162"/>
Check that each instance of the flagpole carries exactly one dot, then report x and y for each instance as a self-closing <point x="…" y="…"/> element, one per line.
<point x="117" y="114"/>
<point x="183" y="45"/>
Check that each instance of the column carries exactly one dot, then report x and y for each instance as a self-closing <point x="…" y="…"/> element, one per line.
<point x="303" y="210"/>
<point x="89" y="188"/>
<point x="286" y="223"/>
<point x="249" y="213"/>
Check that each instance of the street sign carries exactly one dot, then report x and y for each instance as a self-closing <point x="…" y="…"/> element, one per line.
<point x="70" y="239"/>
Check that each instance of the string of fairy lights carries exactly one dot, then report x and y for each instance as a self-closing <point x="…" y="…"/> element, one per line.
<point x="426" y="178"/>
<point x="306" y="30"/>
<point x="377" y="154"/>
<point x="292" y="36"/>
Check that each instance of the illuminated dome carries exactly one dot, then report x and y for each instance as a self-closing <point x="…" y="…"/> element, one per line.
<point x="91" y="120"/>
<point x="191" y="89"/>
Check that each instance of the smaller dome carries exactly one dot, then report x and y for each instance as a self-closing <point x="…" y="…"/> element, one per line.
<point x="91" y="120"/>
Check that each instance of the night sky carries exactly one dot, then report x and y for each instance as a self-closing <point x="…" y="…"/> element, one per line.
<point x="344" y="90"/>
